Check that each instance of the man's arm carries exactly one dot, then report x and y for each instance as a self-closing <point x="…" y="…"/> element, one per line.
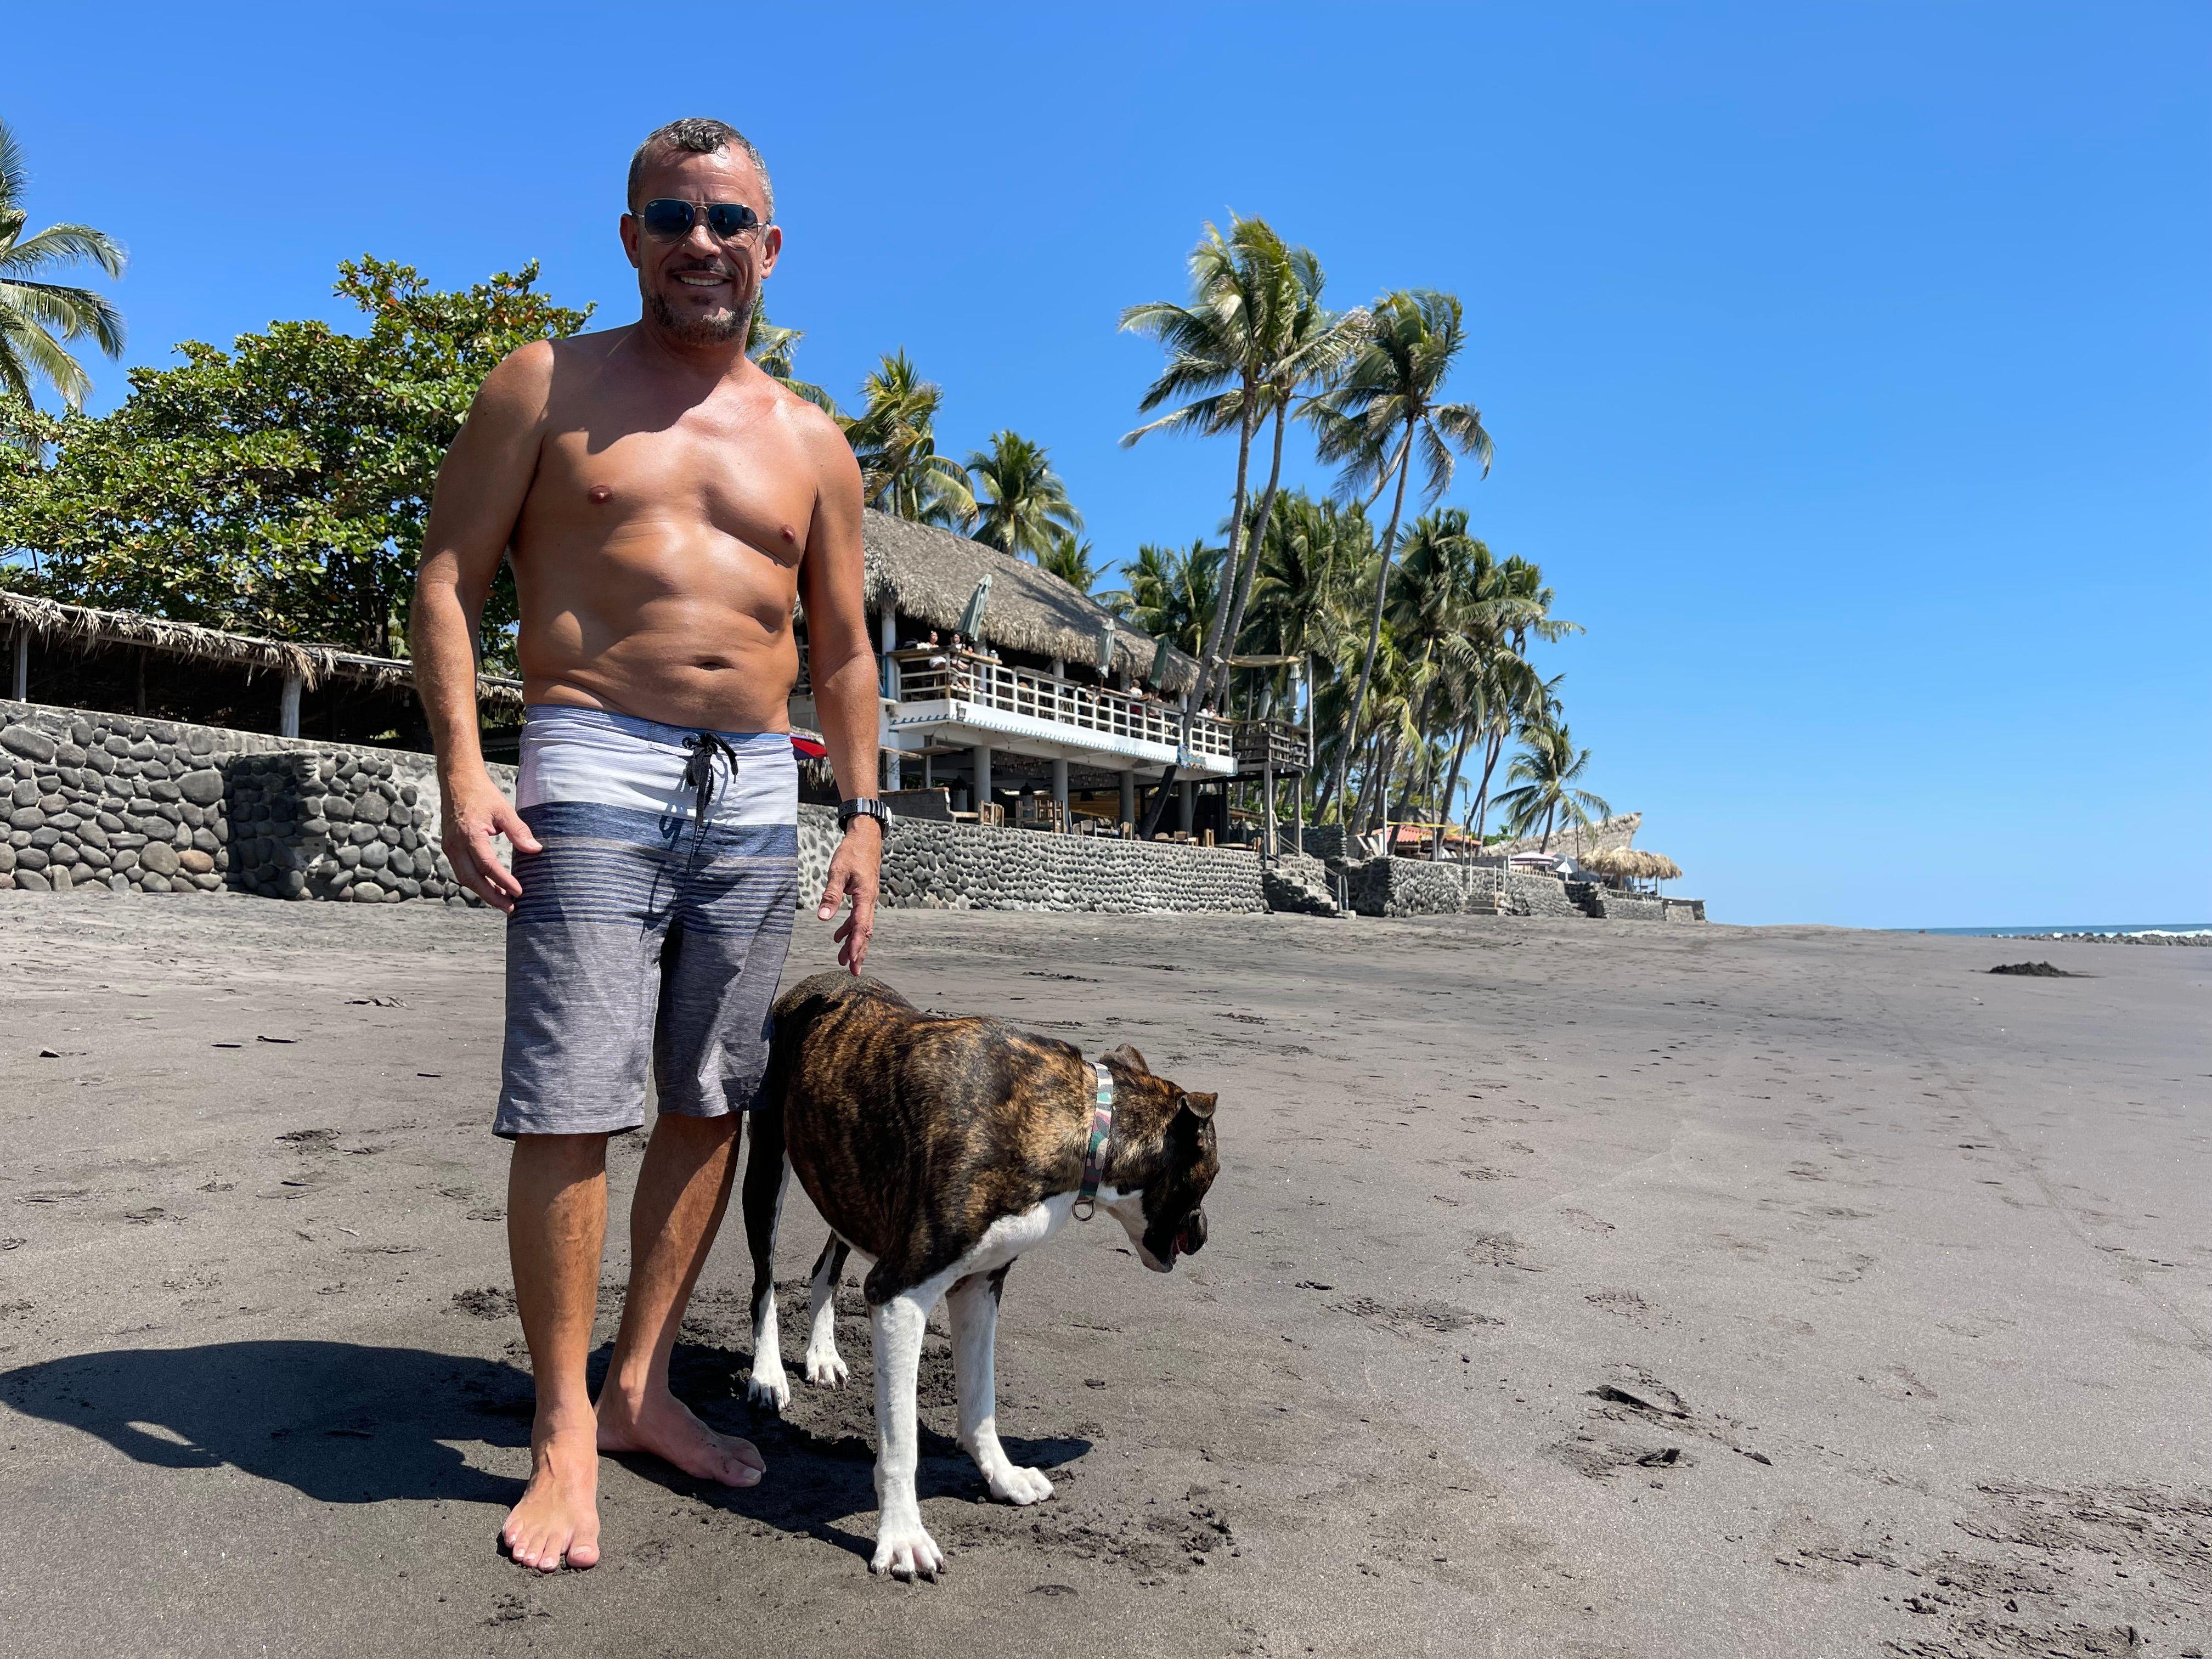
<point x="481" y="489"/>
<point x="842" y="663"/>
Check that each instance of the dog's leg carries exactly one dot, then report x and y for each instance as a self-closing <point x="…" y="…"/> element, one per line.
<point x="768" y="1174"/>
<point x="973" y="1306"/>
<point x="824" y="1366"/>
<point x="904" y="1548"/>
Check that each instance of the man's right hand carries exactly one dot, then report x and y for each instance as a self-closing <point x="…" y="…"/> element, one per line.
<point x="472" y="814"/>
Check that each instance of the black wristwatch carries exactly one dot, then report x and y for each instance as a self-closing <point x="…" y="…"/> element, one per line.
<point x="869" y="807"/>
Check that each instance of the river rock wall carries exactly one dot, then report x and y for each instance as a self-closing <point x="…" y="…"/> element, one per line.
<point x="107" y="802"/>
<point x="110" y="802"/>
<point x="965" y="866"/>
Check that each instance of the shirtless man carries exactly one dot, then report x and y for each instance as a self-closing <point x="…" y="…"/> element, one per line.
<point x="663" y="501"/>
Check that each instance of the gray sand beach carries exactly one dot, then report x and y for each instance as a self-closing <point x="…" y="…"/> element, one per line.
<point x="1574" y="1289"/>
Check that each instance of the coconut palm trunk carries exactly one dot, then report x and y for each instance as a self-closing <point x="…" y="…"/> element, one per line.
<point x="1209" y="653"/>
<point x="1381" y="594"/>
<point x="1466" y="741"/>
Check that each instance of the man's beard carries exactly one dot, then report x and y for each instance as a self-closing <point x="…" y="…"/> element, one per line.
<point x="718" y="329"/>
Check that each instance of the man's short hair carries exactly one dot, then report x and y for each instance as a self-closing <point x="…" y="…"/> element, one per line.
<point x="701" y="136"/>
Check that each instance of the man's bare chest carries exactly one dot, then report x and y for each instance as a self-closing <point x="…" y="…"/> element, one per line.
<point x="696" y="475"/>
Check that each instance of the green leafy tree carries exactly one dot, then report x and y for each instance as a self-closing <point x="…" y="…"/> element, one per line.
<point x="279" y="488"/>
<point x="37" y="318"/>
<point x="1021" y="505"/>
<point x="895" y="439"/>
<point x="1385" y="412"/>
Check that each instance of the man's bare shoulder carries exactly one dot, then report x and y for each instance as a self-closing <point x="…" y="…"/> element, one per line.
<point x="521" y="384"/>
<point x="817" y="435"/>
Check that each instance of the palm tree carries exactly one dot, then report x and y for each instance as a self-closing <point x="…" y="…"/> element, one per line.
<point x="895" y="440"/>
<point x="1022" y="506"/>
<point x="1447" y="603"/>
<point x="1385" y="407"/>
<point x="1546" y="770"/>
<point x="37" y="317"/>
<point x="1254" y="338"/>
<point x="1171" y="593"/>
<point x="1069" y="559"/>
<point x="772" y="347"/>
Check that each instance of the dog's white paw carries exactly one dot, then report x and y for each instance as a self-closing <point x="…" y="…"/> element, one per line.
<point x="904" y="1550"/>
<point x="770" y="1387"/>
<point x="825" y="1368"/>
<point x="1013" y="1485"/>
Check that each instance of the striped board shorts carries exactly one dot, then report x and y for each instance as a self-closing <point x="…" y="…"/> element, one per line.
<point x="652" y="928"/>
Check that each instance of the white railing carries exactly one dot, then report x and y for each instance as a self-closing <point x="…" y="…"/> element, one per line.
<point x="927" y="676"/>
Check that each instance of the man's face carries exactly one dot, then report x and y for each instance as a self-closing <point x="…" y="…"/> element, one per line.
<point x="699" y="288"/>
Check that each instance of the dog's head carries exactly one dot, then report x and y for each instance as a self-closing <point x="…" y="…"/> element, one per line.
<point x="1164" y="1161"/>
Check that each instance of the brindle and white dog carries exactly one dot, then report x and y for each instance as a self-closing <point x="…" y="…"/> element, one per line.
<point x="938" y="1149"/>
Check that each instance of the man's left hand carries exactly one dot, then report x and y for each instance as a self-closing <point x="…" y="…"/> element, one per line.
<point x="855" y="873"/>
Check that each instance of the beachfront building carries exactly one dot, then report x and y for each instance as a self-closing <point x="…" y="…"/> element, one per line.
<point x="1008" y="695"/>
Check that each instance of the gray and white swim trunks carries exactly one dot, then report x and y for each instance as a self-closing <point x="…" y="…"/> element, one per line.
<point x="652" y="928"/>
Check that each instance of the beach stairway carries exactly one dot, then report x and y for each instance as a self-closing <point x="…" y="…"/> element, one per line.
<point x="1586" y="897"/>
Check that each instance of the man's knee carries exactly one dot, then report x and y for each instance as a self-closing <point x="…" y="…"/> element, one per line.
<point x="578" y="1157"/>
<point x="698" y="1131"/>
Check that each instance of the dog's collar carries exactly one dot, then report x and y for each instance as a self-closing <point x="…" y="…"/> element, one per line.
<point x="1094" y="1150"/>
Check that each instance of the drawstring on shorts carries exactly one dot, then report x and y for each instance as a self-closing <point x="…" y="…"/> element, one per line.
<point x="699" y="771"/>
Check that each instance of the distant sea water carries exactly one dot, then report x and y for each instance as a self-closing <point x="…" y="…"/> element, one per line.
<point x="2092" y="927"/>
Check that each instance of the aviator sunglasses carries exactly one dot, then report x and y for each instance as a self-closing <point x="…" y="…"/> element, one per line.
<point x="668" y="219"/>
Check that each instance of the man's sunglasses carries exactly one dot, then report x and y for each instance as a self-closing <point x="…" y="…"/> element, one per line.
<point x="666" y="219"/>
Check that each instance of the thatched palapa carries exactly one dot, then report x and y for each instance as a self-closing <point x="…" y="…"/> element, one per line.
<point x="931" y="574"/>
<point x="84" y="627"/>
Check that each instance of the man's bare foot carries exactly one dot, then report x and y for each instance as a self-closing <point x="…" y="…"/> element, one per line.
<point x="558" y="1518"/>
<point x="657" y="1422"/>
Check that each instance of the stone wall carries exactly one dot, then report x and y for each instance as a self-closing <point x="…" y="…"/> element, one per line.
<point x="135" y="806"/>
<point x="965" y="866"/>
<point x="1415" y="887"/>
<point x="152" y="806"/>
<point x="1539" y="896"/>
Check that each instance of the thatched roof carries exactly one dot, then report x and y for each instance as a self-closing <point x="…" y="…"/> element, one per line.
<point x="931" y="574"/>
<point x="1632" y="861"/>
<point x="315" y="665"/>
<point x="1617" y="831"/>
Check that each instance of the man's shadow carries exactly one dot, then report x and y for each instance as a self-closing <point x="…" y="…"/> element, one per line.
<point x="345" y="1423"/>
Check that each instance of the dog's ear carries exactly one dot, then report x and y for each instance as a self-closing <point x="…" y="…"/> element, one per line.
<point x="1128" y="1057"/>
<point x="1198" y="1106"/>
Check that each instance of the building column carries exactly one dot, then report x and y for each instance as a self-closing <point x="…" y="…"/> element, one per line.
<point x="1059" y="789"/>
<point x="287" y="707"/>
<point x="1186" y="805"/>
<point x="22" y="692"/>
<point x="980" y="759"/>
<point x="1267" y="837"/>
<point x="1128" y="797"/>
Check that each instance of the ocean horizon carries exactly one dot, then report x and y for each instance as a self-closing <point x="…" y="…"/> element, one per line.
<point x="2094" y="927"/>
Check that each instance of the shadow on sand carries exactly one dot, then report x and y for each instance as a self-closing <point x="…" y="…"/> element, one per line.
<point x="345" y="1423"/>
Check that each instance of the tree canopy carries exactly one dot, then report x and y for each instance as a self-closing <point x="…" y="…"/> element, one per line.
<point x="279" y="488"/>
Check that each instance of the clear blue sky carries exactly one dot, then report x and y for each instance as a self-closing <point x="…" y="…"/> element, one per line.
<point x="1848" y="365"/>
